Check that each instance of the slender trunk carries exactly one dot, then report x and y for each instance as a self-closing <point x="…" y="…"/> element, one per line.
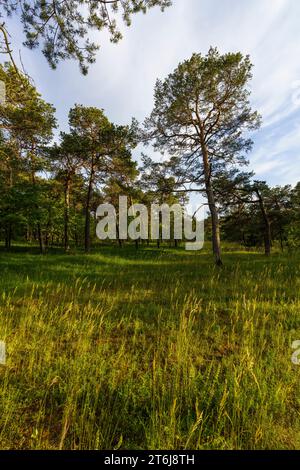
<point x="267" y="224"/>
<point x="9" y="227"/>
<point x="28" y="235"/>
<point x="118" y="236"/>
<point x="281" y="231"/>
<point x="243" y="239"/>
<point x="149" y="225"/>
<point x="47" y="240"/>
<point x="87" y="230"/>
<point x="216" y="240"/>
<point x="159" y="230"/>
<point x="67" y="212"/>
<point x="40" y="237"/>
<point x="39" y="230"/>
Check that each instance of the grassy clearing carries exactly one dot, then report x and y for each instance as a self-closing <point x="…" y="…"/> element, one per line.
<point x="149" y="349"/>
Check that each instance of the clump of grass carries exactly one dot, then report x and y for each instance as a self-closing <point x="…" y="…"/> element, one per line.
<point x="149" y="349"/>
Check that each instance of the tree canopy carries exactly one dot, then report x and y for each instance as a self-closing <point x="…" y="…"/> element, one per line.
<point x="63" y="27"/>
<point x="202" y="116"/>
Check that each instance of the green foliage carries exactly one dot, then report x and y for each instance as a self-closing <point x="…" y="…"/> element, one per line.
<point x="242" y="219"/>
<point x="64" y="27"/>
<point x="202" y="117"/>
<point x="25" y="116"/>
<point x="204" y="103"/>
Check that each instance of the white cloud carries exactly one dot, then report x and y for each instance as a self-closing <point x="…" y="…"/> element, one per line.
<point x="277" y="159"/>
<point x="123" y="78"/>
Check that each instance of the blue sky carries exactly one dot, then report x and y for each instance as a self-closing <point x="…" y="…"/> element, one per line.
<point x="122" y="80"/>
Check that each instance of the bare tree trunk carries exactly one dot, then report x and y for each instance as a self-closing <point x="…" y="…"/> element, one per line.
<point x="39" y="230"/>
<point x="267" y="223"/>
<point x="9" y="228"/>
<point x="216" y="240"/>
<point x="243" y="239"/>
<point x="87" y="230"/>
<point x="28" y="234"/>
<point x="118" y="236"/>
<point x="67" y="213"/>
<point x="40" y="237"/>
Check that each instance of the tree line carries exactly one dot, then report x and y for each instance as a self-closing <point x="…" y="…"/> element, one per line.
<point x="201" y="120"/>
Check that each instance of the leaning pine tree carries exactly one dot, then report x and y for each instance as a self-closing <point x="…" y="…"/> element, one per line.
<point x="202" y="115"/>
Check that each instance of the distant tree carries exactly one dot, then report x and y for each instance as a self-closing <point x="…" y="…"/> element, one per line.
<point x="293" y="228"/>
<point x="27" y="124"/>
<point x="66" y="160"/>
<point x="278" y="201"/>
<point x="64" y="26"/>
<point x="160" y="185"/>
<point x="253" y="209"/>
<point x="122" y="183"/>
<point x="107" y="149"/>
<point x="10" y="203"/>
<point x="201" y="114"/>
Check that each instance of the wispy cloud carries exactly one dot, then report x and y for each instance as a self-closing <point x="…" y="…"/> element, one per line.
<point x="123" y="78"/>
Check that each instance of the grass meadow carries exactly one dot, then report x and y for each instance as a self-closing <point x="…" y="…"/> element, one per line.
<point x="149" y="349"/>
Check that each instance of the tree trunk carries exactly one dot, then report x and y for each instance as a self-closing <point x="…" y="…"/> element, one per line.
<point x="40" y="237"/>
<point x="118" y="236"/>
<point x="267" y="223"/>
<point x="244" y="239"/>
<point x="9" y="228"/>
<point x="216" y="240"/>
<point x="39" y="230"/>
<point x="87" y="230"/>
<point x="67" y="213"/>
<point x="28" y="234"/>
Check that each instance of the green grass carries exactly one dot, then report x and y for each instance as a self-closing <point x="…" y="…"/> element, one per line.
<point x="149" y="349"/>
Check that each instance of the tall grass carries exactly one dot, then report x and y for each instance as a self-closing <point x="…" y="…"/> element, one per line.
<point x="149" y="350"/>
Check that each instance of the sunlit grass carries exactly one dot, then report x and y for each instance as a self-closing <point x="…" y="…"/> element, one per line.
<point x="149" y="349"/>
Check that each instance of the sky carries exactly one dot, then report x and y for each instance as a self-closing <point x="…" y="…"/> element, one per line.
<point x="123" y="78"/>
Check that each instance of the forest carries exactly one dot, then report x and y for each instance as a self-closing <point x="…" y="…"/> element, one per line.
<point x="140" y="344"/>
<point x="50" y="192"/>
